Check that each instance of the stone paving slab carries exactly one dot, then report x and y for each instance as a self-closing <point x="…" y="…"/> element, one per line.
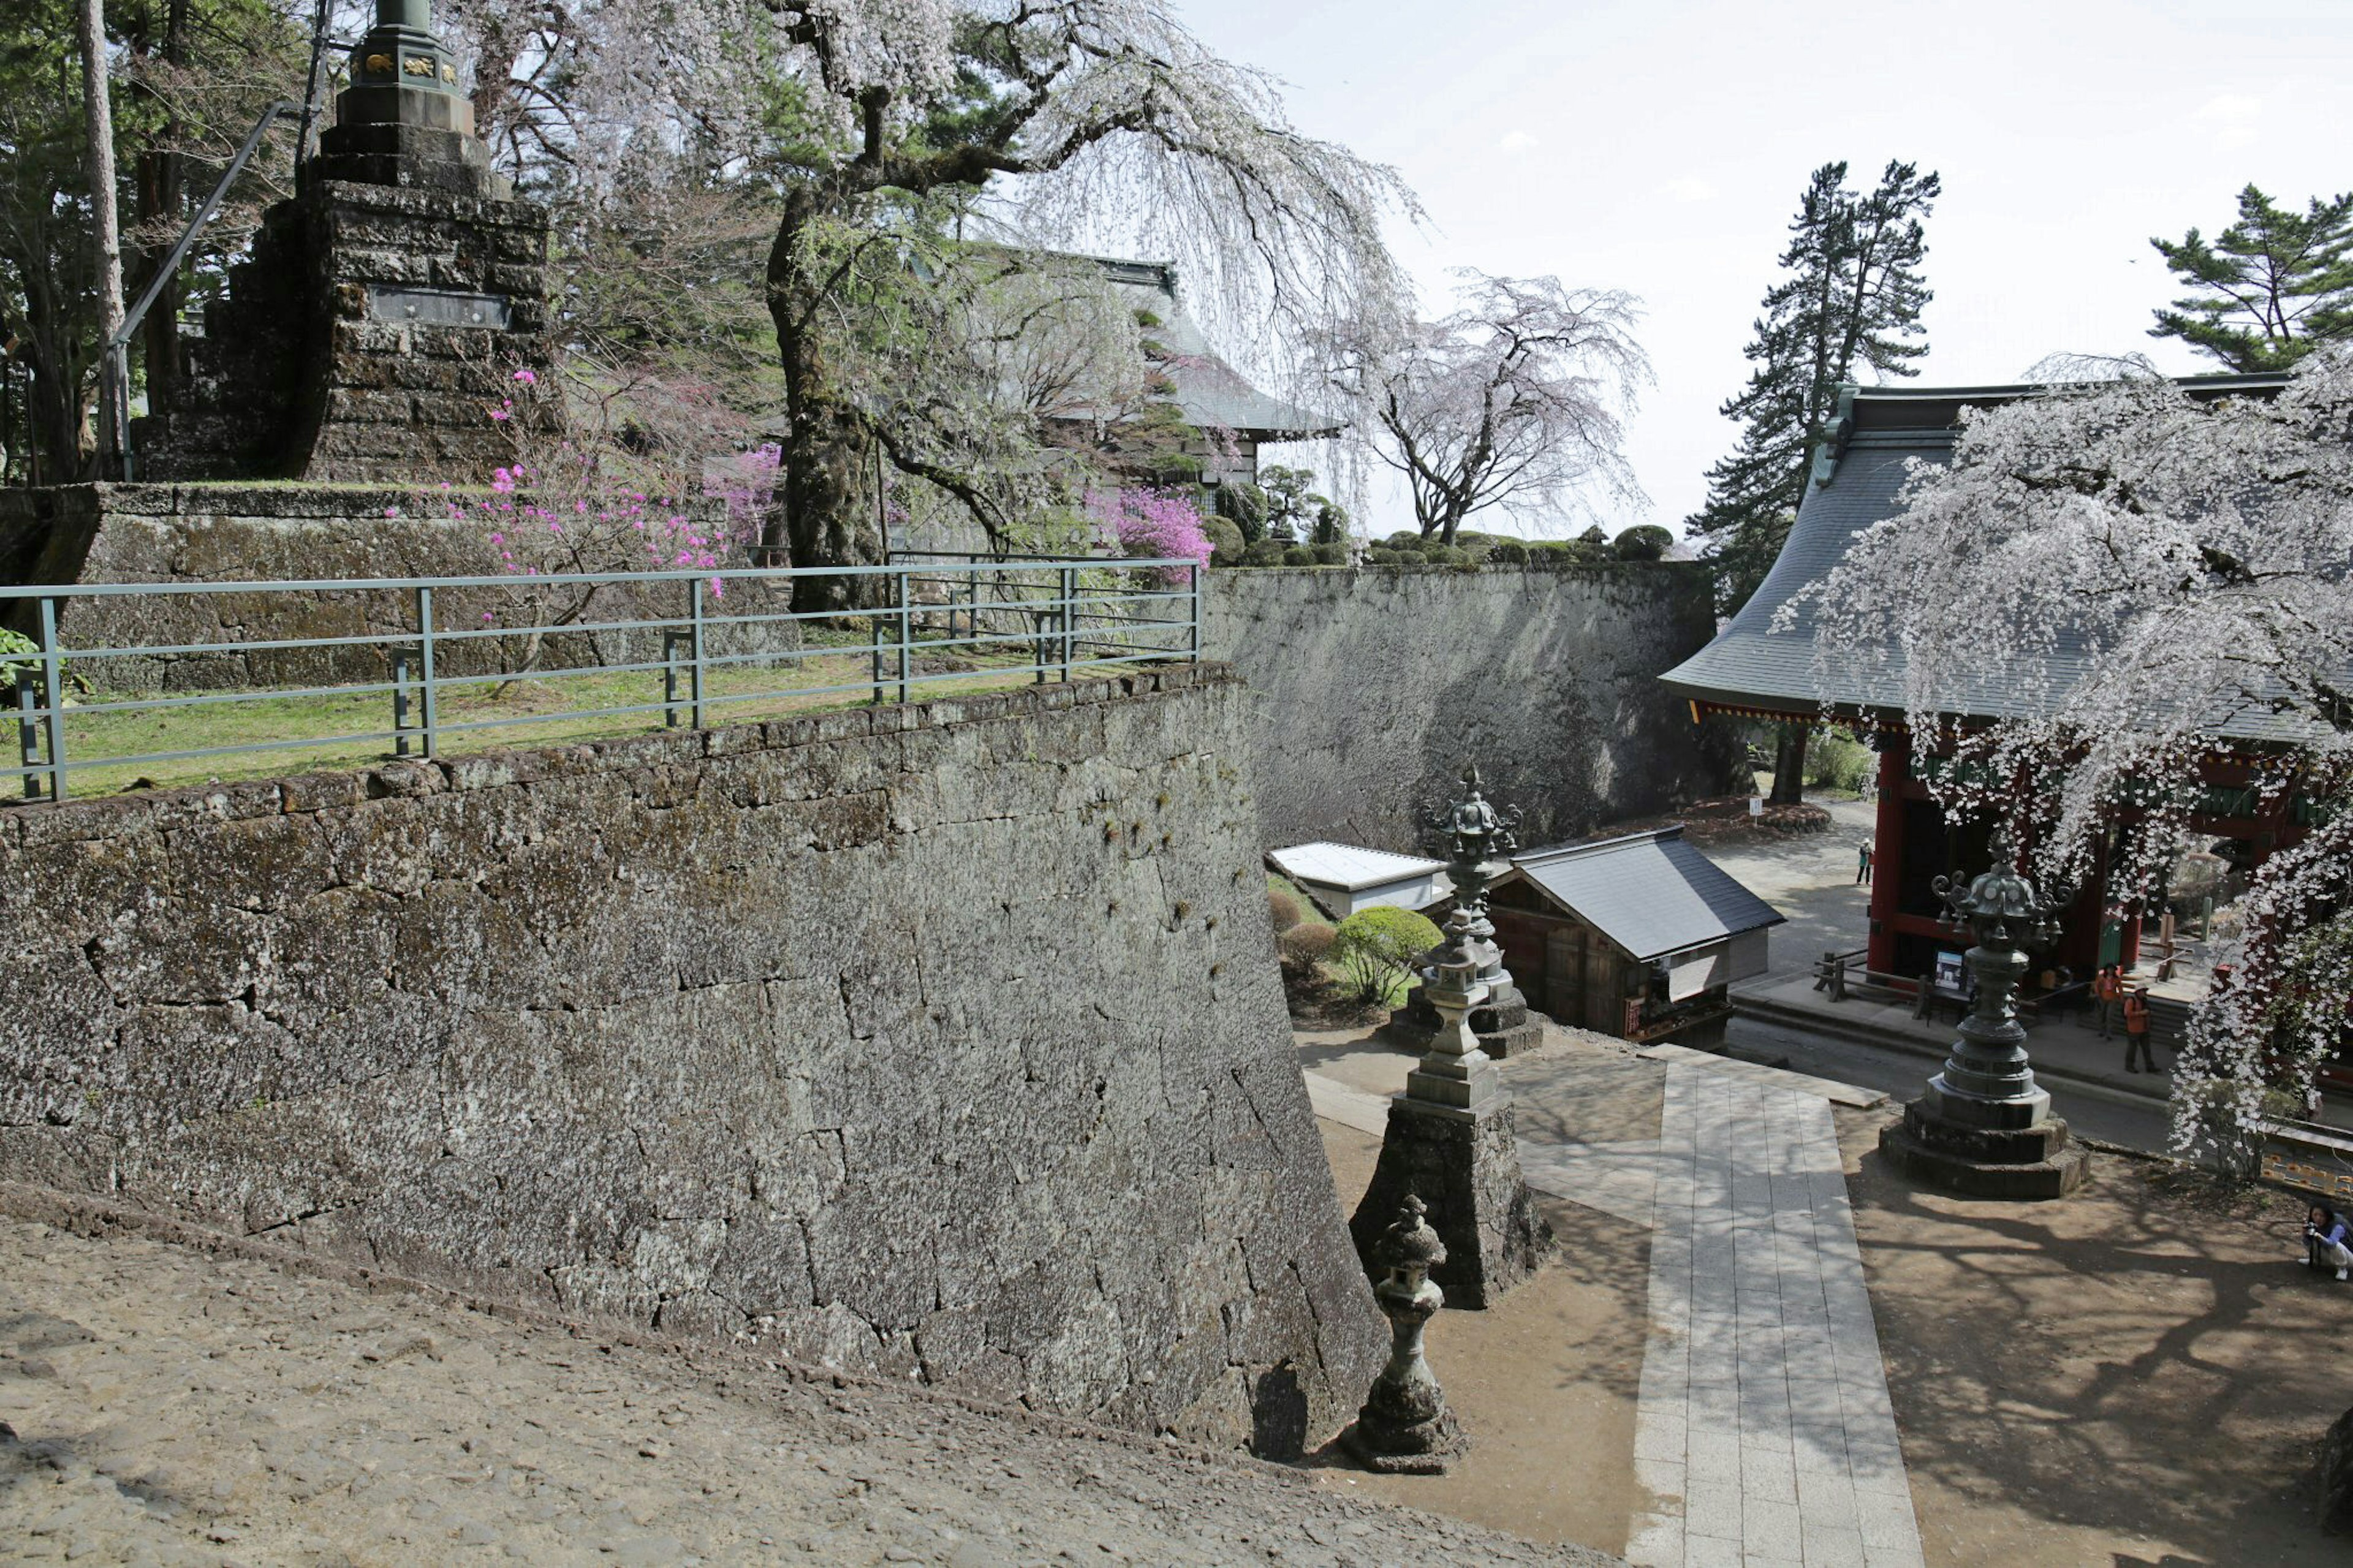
<point x="1764" y="1429"/>
<point x="1772" y="1078"/>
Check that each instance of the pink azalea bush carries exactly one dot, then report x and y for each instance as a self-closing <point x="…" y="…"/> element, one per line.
<point x="1161" y="524"/>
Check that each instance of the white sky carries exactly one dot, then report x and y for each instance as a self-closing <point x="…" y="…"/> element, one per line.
<point x="1660" y="146"/>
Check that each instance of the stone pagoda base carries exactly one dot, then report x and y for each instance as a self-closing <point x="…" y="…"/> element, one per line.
<point x="1465" y="1165"/>
<point x="1503" y="1024"/>
<point x="1402" y="1441"/>
<point x="1945" y="1143"/>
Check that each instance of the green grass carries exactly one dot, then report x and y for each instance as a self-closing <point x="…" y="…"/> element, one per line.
<point x="557" y="712"/>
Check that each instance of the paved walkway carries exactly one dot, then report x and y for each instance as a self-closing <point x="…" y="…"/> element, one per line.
<point x="1764" y="1427"/>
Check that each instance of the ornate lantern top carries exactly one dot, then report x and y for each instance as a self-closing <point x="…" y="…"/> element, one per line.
<point x="1473" y="829"/>
<point x="2000" y="906"/>
<point x="1409" y="1244"/>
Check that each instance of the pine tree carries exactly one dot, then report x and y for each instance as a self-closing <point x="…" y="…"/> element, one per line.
<point x="2269" y="288"/>
<point x="1851" y="295"/>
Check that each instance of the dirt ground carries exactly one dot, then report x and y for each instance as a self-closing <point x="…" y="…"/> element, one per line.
<point x="2137" y="1376"/>
<point x="1544" y="1383"/>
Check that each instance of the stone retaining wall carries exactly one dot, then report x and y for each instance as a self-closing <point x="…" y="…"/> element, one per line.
<point x="943" y="1041"/>
<point x="279" y="532"/>
<point x="1374" y="687"/>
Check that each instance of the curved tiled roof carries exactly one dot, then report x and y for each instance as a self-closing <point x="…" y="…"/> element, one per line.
<point x="1857" y="481"/>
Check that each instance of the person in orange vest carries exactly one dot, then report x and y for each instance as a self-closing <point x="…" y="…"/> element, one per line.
<point x="2136" y="1031"/>
<point x="2108" y="989"/>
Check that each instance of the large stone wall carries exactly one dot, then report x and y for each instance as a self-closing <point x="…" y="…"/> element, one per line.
<point x="1373" y="688"/>
<point x="941" y="1041"/>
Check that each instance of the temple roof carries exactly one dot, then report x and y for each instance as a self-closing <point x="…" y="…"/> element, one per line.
<point x="1210" y="394"/>
<point x="1856" y="480"/>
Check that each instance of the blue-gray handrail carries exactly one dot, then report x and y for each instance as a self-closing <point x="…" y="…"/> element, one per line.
<point x="1069" y="614"/>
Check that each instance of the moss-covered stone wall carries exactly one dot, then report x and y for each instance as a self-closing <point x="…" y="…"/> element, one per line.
<point x="942" y="1041"/>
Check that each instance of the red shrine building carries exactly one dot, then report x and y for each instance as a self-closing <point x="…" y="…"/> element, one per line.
<point x="1756" y="670"/>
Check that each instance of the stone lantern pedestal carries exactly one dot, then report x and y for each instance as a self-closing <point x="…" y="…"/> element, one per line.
<point x="1983" y="1128"/>
<point x="1449" y="1141"/>
<point x="1478" y="837"/>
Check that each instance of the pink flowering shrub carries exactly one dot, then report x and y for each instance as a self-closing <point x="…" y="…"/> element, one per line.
<point x="571" y="505"/>
<point x="1154" y="523"/>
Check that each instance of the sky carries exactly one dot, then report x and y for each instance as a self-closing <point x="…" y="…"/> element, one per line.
<point x="1660" y="146"/>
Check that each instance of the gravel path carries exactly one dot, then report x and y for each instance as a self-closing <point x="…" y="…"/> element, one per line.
<point x="160" y="1403"/>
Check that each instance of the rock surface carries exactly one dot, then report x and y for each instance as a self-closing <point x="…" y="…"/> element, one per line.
<point x="1374" y="687"/>
<point x="942" y="1041"/>
<point x="165" y="1405"/>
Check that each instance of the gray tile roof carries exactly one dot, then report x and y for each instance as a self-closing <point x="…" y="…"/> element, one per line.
<point x="1650" y="893"/>
<point x="1210" y="394"/>
<point x="1751" y="666"/>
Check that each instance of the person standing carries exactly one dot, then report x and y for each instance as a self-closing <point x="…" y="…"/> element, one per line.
<point x="1863" y="864"/>
<point x="2107" y="988"/>
<point x="2136" y="1031"/>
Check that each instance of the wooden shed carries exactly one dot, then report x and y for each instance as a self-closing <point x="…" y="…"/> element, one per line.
<point x="1640" y="936"/>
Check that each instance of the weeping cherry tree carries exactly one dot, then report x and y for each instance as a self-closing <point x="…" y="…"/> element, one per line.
<point x="2145" y="581"/>
<point x="1514" y="400"/>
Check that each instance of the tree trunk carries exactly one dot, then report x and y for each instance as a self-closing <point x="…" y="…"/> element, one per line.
<point x="826" y="512"/>
<point x="1790" y="764"/>
<point x="98" y="169"/>
<point x="160" y="206"/>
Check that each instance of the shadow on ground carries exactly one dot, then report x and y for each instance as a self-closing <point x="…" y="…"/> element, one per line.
<point x="2137" y="1376"/>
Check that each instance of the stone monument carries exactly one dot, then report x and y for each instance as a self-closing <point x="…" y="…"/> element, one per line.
<point x="1405" y="1427"/>
<point x="385" y="310"/>
<point x="1478" y="841"/>
<point x="1983" y="1128"/>
<point x="1450" y="1137"/>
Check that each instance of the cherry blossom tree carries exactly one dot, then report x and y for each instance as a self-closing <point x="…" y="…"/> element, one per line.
<point x="1513" y="401"/>
<point x="2141" y="579"/>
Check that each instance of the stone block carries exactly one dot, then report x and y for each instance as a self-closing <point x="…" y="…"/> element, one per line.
<point x="1466" y="1168"/>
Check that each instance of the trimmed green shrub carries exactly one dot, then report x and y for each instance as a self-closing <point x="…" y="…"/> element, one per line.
<point x="1245" y="505"/>
<point x="1593" y="535"/>
<point x="1403" y="539"/>
<point x="1302" y="949"/>
<point x="1265" y="552"/>
<point x="1643" y="541"/>
<point x="1376" y="949"/>
<point x="1225" y="542"/>
<point x="1508" y="553"/>
<point x="1299" y="555"/>
<point x="1283" y="909"/>
<point x="1332" y="553"/>
<point x="1447" y="555"/>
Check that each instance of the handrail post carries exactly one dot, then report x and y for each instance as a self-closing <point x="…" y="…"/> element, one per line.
<point x="28" y="745"/>
<point x="906" y="635"/>
<point x="53" y="685"/>
<point x="874" y="659"/>
<point x="671" y="639"/>
<point x="400" y="703"/>
<point x="425" y="661"/>
<point x="1069" y="612"/>
<point x="694" y="673"/>
<point x="1193" y="640"/>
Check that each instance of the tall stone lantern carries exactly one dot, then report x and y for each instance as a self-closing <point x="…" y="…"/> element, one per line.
<point x="1449" y="1136"/>
<point x="1477" y="840"/>
<point x="1983" y="1126"/>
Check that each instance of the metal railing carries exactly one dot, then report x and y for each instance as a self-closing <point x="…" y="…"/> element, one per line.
<point x="426" y="641"/>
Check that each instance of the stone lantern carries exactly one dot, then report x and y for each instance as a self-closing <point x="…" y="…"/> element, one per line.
<point x="1477" y="840"/>
<point x="1405" y="1427"/>
<point x="1983" y="1126"/>
<point x="1450" y="1135"/>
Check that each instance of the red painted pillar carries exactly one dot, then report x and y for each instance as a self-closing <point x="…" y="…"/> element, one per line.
<point x="1895" y="750"/>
